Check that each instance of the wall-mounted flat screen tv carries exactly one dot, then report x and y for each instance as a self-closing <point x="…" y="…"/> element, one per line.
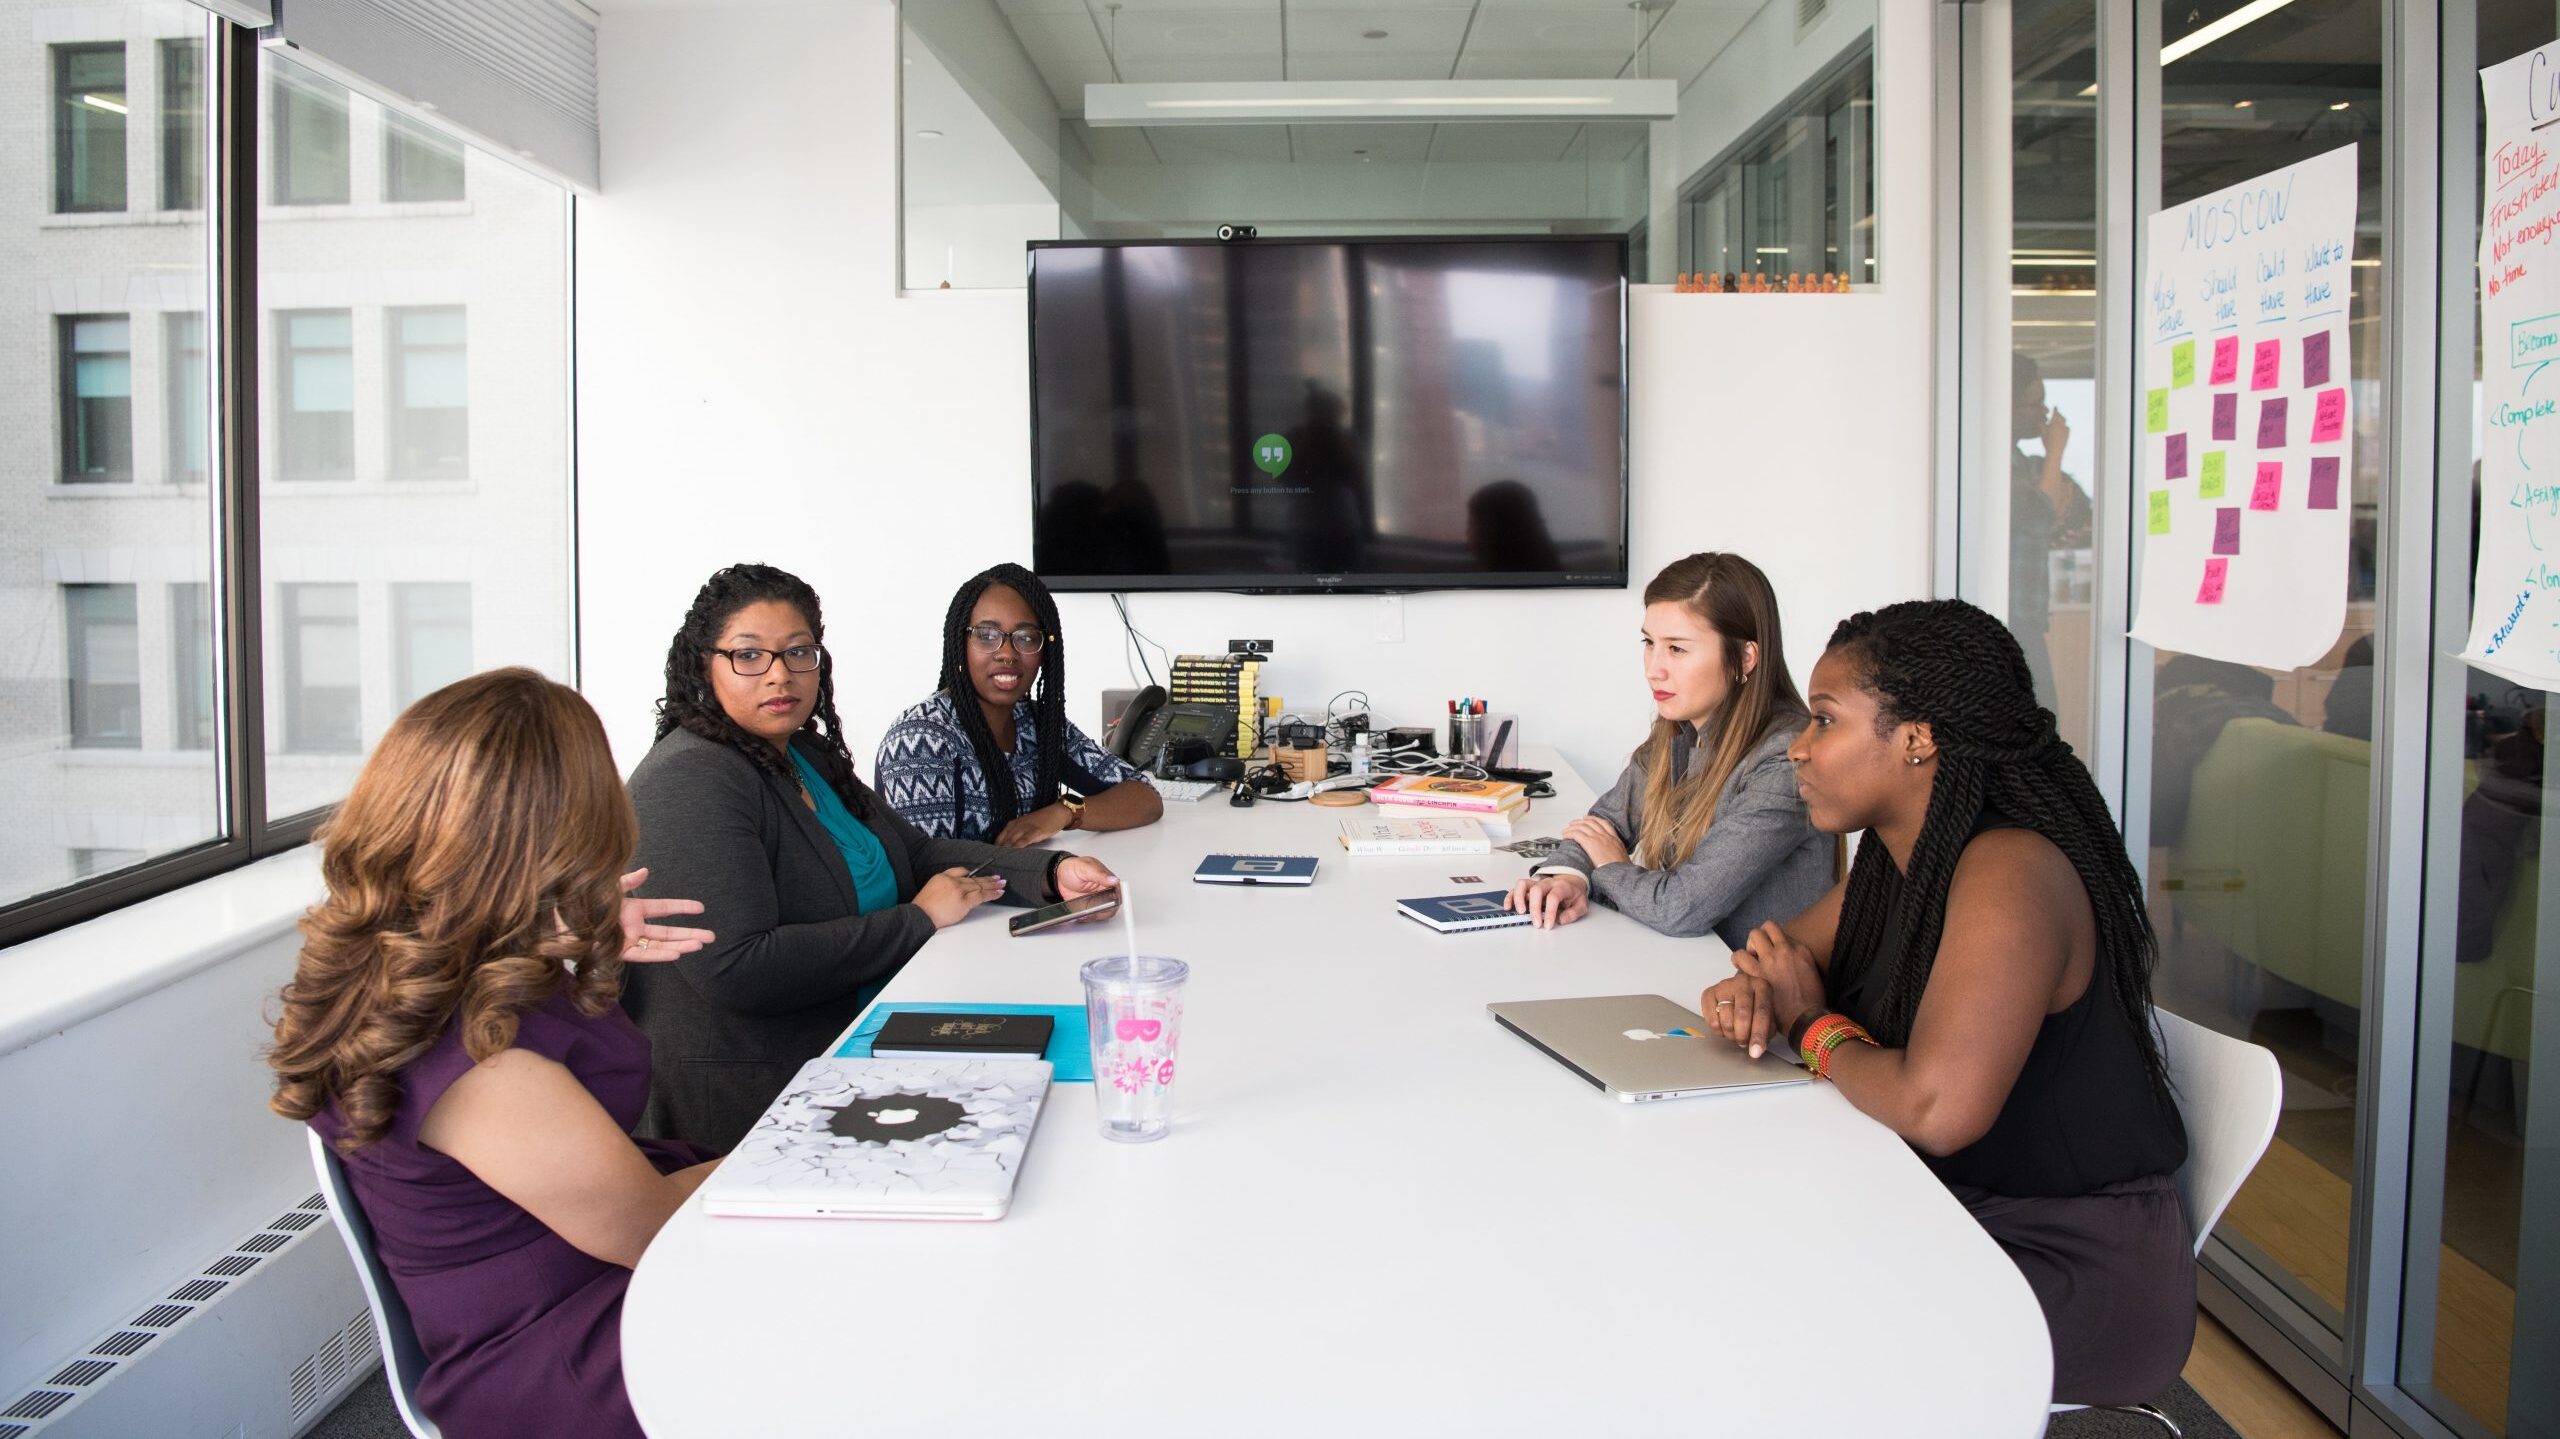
<point x="1291" y="415"/>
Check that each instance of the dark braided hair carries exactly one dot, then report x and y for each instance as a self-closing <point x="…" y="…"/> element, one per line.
<point x="1048" y="695"/>
<point x="689" y="703"/>
<point x="1949" y="665"/>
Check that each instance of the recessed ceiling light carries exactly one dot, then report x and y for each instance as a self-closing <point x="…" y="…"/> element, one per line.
<point x="928" y="134"/>
<point x="2242" y="104"/>
<point x="1373" y="34"/>
<point x="2341" y="105"/>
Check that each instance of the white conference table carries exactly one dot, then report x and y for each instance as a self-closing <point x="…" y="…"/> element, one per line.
<point x="1378" y="1211"/>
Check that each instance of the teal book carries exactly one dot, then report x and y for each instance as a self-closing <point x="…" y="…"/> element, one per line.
<point x="1070" y="1053"/>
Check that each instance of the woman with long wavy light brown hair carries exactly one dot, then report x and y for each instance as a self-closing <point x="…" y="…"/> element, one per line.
<point x="1704" y="833"/>
<point x="452" y="1028"/>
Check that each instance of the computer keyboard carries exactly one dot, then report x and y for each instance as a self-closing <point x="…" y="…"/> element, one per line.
<point x="1186" y="789"/>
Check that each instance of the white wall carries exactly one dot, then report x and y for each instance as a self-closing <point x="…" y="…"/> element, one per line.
<point x="752" y="386"/>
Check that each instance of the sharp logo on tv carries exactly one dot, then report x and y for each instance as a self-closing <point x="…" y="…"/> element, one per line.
<point x="1327" y="415"/>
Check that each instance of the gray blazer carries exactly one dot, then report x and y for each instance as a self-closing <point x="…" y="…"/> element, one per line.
<point x="733" y="1021"/>
<point x="1761" y="859"/>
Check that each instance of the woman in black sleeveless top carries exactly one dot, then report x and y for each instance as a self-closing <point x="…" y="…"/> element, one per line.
<point x="1981" y="982"/>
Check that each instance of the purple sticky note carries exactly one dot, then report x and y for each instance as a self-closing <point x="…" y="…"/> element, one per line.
<point x="2324" y="482"/>
<point x="2226" y="530"/>
<point x="2226" y="361"/>
<point x="2216" y="572"/>
<point x="2328" y="415"/>
<point x="2226" y="417"/>
<point x="2271" y="426"/>
<point x="2265" y="364"/>
<point x="2270" y="486"/>
<point x="2315" y="358"/>
<point x="2175" y="448"/>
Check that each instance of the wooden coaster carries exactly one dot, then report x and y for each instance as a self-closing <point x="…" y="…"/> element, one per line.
<point x="1339" y="798"/>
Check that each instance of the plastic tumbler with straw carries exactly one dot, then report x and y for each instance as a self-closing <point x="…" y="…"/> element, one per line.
<point x="1133" y="1017"/>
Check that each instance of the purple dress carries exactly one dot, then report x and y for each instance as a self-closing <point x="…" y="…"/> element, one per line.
<point x="522" y="1330"/>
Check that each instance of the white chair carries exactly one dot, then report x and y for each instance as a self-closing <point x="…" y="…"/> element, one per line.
<point x="402" y="1360"/>
<point x="2229" y="1092"/>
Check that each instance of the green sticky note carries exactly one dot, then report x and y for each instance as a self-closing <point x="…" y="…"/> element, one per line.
<point x="2157" y="413"/>
<point x="2210" y="486"/>
<point x="2182" y="364"/>
<point x="2159" y="512"/>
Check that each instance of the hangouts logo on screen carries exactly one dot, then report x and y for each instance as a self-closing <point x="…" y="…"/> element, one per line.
<point x="1271" y="455"/>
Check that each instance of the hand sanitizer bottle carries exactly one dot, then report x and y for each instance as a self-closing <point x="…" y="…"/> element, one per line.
<point x="1360" y="753"/>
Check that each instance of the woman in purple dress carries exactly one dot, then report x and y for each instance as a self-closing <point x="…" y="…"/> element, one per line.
<point x="453" y="1029"/>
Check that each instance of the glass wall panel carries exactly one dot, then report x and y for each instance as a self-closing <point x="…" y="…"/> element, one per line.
<point x="105" y="522"/>
<point x="430" y="401"/>
<point x="2260" y="780"/>
<point x="1797" y="195"/>
<point x="2485" y="1284"/>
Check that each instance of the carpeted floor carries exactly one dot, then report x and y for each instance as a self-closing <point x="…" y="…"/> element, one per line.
<point x="368" y="1414"/>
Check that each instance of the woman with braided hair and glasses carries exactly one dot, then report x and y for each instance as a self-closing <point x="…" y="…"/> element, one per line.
<point x="991" y="754"/>
<point x="819" y="892"/>
<point x="1981" y="981"/>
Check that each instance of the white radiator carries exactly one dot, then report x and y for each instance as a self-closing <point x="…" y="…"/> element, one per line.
<point x="259" y="1344"/>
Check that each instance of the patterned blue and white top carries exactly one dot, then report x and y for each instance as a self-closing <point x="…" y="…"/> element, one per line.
<point x="927" y="772"/>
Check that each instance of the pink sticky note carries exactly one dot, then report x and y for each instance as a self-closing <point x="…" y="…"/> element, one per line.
<point x="2226" y="415"/>
<point x="2324" y="482"/>
<point x="2226" y="530"/>
<point x="2226" y="361"/>
<point x="2265" y="364"/>
<point x="2271" y="422"/>
<point x="2328" y="415"/>
<point x="2216" y="571"/>
<point x="2175" y="448"/>
<point x="2270" y="486"/>
<point x="2315" y="358"/>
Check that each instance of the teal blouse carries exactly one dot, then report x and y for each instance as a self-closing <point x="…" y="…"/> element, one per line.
<point x="875" y="885"/>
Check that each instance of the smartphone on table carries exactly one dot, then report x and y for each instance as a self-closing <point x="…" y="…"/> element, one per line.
<point x="1065" y="911"/>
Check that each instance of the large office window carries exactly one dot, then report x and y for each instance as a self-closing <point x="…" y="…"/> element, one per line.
<point x="432" y="628"/>
<point x="184" y="419"/>
<point x="430" y="408"/>
<point x="96" y="384"/>
<point x="182" y="124"/>
<point x="322" y="680"/>
<point x="315" y="379"/>
<point x="1797" y="195"/>
<point x="102" y="641"/>
<point x="417" y="163"/>
<point x="89" y="113"/>
<point x="191" y="651"/>
<point x="307" y="130"/>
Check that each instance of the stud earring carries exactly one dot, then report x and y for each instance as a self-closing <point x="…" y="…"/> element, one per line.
<point x="1915" y="759"/>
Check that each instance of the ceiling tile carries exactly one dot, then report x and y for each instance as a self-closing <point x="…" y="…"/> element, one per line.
<point x="1539" y="140"/>
<point x="1548" y="30"/>
<point x="1209" y="34"/>
<point x="1220" y="144"/>
<point x="1197" y="69"/>
<point x="1369" y="67"/>
<point x="1399" y="32"/>
<point x="1112" y="145"/>
<point x="1479" y="64"/>
<point x="1340" y="144"/>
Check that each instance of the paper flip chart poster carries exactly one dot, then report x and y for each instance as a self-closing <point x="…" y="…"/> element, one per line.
<point x="2515" y="606"/>
<point x="2248" y="418"/>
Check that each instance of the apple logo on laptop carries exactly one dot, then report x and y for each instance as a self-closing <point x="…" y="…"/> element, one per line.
<point x="901" y="1115"/>
<point x="893" y="1116"/>
<point x="1641" y="1035"/>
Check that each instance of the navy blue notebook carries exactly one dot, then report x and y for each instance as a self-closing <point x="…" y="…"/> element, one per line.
<point x="1451" y="913"/>
<point x="1256" y="869"/>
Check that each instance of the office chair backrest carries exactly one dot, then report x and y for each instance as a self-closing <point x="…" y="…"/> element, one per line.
<point x="2229" y="1092"/>
<point x="402" y="1360"/>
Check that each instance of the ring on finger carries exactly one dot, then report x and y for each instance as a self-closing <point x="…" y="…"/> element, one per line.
<point x="643" y="944"/>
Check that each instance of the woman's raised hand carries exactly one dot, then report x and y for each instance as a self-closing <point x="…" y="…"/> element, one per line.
<point x="642" y="941"/>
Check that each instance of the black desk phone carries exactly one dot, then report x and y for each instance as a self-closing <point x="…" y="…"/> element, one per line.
<point x="1150" y="723"/>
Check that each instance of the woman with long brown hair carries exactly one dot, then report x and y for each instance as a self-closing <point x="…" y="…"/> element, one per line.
<point x="1704" y="832"/>
<point x="452" y="1030"/>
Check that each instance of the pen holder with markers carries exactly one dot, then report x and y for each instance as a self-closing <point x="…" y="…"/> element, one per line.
<point x="1466" y="736"/>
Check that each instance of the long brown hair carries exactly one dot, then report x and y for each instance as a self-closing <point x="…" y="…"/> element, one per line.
<point x="1730" y="596"/>
<point x="473" y="874"/>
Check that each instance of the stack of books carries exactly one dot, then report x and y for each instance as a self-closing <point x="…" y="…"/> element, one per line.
<point x="1493" y="804"/>
<point x="1226" y="680"/>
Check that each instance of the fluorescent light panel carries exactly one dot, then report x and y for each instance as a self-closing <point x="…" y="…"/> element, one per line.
<point x="2248" y="14"/>
<point x="1317" y="102"/>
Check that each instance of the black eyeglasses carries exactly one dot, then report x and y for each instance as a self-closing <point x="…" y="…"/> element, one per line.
<point x="799" y="659"/>
<point x="989" y="639"/>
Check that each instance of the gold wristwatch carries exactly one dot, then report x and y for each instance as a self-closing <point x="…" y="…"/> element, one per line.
<point x="1075" y="809"/>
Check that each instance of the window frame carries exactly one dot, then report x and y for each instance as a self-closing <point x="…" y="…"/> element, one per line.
<point x="233" y="171"/>
<point x="181" y="127"/>
<point x="68" y="399"/>
<point x="397" y="411"/>
<point x="80" y="719"/>
<point x="57" y="83"/>
<point x="403" y="136"/>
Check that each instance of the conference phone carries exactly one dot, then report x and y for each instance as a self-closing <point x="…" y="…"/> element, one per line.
<point x="1152" y="730"/>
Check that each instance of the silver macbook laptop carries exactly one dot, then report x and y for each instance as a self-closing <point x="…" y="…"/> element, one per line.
<point x="886" y="1139"/>
<point x="1637" y="1047"/>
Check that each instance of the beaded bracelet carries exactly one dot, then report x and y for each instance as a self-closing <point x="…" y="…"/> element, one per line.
<point x="1827" y="1034"/>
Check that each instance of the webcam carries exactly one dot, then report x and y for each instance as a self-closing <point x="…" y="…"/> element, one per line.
<point x="1237" y="232"/>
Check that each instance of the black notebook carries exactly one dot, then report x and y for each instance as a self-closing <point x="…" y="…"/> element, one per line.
<point x="926" y="1034"/>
